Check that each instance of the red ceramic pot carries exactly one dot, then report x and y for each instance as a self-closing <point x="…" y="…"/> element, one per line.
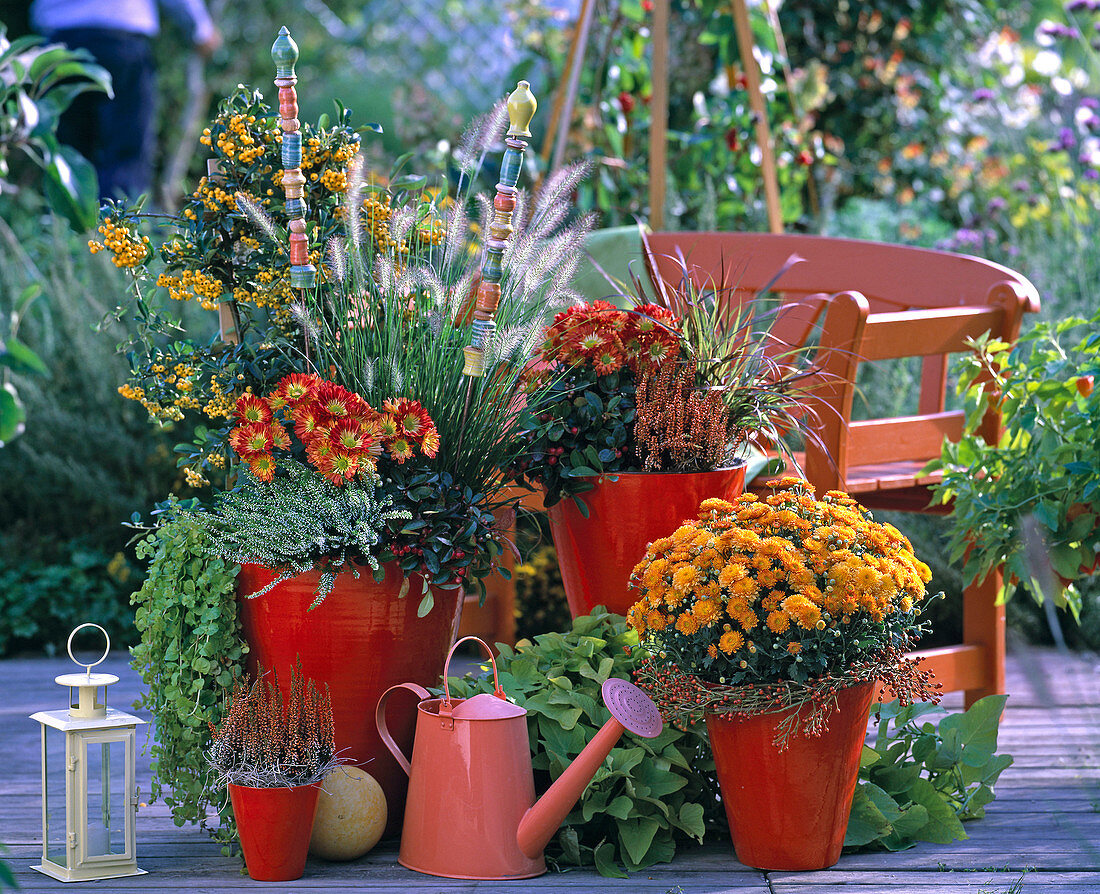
<point x="361" y="640"/>
<point x="789" y="809"/>
<point x="274" y="825"/>
<point x="597" y="554"/>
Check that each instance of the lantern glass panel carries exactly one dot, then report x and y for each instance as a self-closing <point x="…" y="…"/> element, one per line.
<point x="105" y="763"/>
<point x="54" y="783"/>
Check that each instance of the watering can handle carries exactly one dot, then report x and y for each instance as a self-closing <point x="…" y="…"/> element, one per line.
<point x="445" y="707"/>
<point x="383" y="731"/>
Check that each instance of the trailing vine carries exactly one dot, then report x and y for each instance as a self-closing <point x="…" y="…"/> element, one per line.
<point x="191" y="650"/>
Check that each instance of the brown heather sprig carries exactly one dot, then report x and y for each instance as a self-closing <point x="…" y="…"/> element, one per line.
<point x="266" y="741"/>
<point x="684" y="699"/>
<point x="680" y="427"/>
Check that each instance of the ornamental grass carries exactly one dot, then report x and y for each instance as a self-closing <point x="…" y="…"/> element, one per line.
<point x="765" y="604"/>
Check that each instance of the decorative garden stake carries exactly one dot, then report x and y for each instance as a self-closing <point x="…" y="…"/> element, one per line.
<point x="89" y="799"/>
<point x="284" y="52"/>
<point x="521" y="109"/>
<point x="471" y="811"/>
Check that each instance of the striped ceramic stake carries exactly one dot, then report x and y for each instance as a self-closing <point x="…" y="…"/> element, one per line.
<point x="284" y="52"/>
<point x="521" y="109"/>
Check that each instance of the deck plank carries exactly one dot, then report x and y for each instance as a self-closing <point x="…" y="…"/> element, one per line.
<point x="1042" y="832"/>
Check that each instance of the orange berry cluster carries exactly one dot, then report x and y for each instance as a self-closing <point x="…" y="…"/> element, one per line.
<point x="128" y="248"/>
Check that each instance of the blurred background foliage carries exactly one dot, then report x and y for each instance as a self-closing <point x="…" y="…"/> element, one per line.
<point x="971" y="125"/>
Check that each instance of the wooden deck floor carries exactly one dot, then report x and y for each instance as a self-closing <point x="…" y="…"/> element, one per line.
<point x="1041" y="834"/>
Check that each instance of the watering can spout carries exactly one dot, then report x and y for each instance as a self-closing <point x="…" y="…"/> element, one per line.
<point x="631" y="709"/>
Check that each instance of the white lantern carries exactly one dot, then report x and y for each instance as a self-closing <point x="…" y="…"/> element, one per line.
<point x="89" y="796"/>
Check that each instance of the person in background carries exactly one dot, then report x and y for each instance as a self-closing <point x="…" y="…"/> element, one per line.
<point x="119" y="135"/>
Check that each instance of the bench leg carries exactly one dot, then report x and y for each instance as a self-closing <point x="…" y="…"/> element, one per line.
<point x="984" y="625"/>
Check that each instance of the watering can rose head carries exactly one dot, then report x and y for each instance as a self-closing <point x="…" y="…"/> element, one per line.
<point x="784" y="588"/>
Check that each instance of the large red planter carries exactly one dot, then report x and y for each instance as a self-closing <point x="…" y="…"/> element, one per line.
<point x="789" y="809"/>
<point x="274" y="825"/>
<point x="597" y="554"/>
<point x="361" y="640"/>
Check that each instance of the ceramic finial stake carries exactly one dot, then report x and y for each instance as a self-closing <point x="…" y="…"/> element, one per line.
<point x="521" y="109"/>
<point x="284" y="52"/>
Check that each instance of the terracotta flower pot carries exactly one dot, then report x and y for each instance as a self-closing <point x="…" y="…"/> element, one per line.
<point x="597" y="554"/>
<point x="274" y="825"/>
<point x="360" y="641"/>
<point x="789" y="809"/>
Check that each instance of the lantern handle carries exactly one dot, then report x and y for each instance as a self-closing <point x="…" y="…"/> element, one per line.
<point x="106" y="651"/>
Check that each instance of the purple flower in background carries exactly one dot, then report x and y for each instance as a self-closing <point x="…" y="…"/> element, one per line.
<point x="997" y="203"/>
<point x="1092" y="174"/>
<point x="1066" y="140"/>
<point x="1057" y="29"/>
<point x="1078" y="5"/>
<point x="1021" y="186"/>
<point x="1091" y="101"/>
<point x="982" y="94"/>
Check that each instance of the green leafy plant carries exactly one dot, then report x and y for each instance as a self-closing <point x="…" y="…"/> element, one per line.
<point x="16" y="357"/>
<point x="1037" y="490"/>
<point x="190" y="651"/>
<point x="41" y="598"/>
<point x="7" y="877"/>
<point x="650" y="795"/>
<point x="38" y="81"/>
<point x="921" y="780"/>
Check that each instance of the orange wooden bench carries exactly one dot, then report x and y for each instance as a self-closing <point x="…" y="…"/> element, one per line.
<point x="880" y="302"/>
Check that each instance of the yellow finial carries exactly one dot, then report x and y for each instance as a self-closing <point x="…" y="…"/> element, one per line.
<point x="521" y="109"/>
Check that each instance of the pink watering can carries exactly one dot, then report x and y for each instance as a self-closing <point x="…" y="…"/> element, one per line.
<point x="471" y="811"/>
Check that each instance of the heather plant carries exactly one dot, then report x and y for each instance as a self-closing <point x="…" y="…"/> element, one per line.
<point x="266" y="740"/>
<point x="300" y="522"/>
<point x="680" y="428"/>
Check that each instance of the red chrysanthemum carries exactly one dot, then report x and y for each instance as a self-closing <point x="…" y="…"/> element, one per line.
<point x="252" y="439"/>
<point x="310" y="422"/>
<point x="251" y="408"/>
<point x="347" y="434"/>
<point x="336" y="401"/>
<point x="339" y="466"/>
<point x="400" y="449"/>
<point x="388" y="429"/>
<point x="411" y="418"/>
<point x="292" y="389"/>
<point x="607" y="362"/>
<point x="429" y="444"/>
<point x="263" y="466"/>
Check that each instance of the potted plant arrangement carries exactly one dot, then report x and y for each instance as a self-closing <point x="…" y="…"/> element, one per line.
<point x="772" y="619"/>
<point x="647" y="414"/>
<point x="272" y="751"/>
<point x="360" y="398"/>
<point x="1030" y="500"/>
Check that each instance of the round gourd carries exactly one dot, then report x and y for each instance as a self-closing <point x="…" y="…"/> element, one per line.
<point x="351" y="815"/>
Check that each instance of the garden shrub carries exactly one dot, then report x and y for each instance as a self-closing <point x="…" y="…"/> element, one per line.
<point x="41" y="601"/>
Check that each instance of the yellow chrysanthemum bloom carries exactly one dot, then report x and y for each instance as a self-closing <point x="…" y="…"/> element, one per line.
<point x="795" y="570"/>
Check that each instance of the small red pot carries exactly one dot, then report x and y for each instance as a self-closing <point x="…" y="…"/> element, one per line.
<point x="274" y="825"/>
<point x="789" y="809"/>
<point x="598" y="553"/>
